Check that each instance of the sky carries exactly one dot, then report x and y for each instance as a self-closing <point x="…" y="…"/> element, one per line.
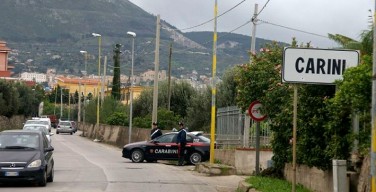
<point x="320" y="17"/>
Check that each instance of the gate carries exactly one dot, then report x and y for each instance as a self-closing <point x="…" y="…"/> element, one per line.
<point x="230" y="129"/>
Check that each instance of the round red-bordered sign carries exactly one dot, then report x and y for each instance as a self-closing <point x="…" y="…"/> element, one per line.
<point x="254" y="111"/>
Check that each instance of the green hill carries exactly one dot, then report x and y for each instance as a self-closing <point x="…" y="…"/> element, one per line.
<point x="50" y="34"/>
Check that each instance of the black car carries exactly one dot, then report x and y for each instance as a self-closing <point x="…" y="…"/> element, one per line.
<point x="165" y="148"/>
<point x="26" y="156"/>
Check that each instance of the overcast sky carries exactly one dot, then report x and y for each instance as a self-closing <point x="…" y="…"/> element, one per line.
<point x="346" y="17"/>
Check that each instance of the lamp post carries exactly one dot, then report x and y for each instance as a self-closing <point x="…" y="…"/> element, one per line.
<point x="85" y="57"/>
<point x="99" y="70"/>
<point x="133" y="35"/>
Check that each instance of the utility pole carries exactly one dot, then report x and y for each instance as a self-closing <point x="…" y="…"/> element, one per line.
<point x="373" y="122"/>
<point x="169" y="77"/>
<point x="79" y="102"/>
<point x="156" y="71"/>
<point x="253" y="42"/>
<point x="103" y="79"/>
<point x="214" y="85"/>
<point x="61" y="102"/>
<point x="69" y="95"/>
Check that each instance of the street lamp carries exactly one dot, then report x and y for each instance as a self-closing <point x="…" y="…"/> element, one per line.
<point x="99" y="70"/>
<point x="85" y="56"/>
<point x="133" y="35"/>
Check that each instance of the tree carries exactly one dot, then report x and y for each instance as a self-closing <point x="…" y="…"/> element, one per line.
<point x="116" y="79"/>
<point x="227" y="89"/>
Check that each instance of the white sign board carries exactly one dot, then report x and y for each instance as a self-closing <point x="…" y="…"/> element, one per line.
<point x="316" y="66"/>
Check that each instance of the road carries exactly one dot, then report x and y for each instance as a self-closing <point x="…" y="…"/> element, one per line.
<point x="82" y="165"/>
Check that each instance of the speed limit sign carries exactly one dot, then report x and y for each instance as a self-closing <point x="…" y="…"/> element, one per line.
<point x="255" y="112"/>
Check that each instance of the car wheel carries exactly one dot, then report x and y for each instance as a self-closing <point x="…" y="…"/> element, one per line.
<point x="51" y="177"/>
<point x="57" y="132"/>
<point x="43" y="181"/>
<point x="195" y="158"/>
<point x="71" y="133"/>
<point x="137" y="156"/>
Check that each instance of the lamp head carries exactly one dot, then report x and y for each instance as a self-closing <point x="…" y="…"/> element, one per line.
<point x="83" y="52"/>
<point x="96" y="35"/>
<point x="132" y="34"/>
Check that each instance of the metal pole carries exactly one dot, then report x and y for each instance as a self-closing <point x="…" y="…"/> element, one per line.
<point x="103" y="78"/>
<point x="55" y="100"/>
<point x="156" y="73"/>
<point x="253" y="42"/>
<point x="214" y="85"/>
<point x="61" y="102"/>
<point x="85" y="55"/>
<point x="169" y="78"/>
<point x="69" y="96"/>
<point x="373" y="122"/>
<point x="294" y="137"/>
<point x="131" y="96"/>
<point x="79" y="102"/>
<point x="257" y="148"/>
<point x="99" y="73"/>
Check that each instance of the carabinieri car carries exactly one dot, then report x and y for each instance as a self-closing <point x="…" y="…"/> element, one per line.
<point x="165" y="148"/>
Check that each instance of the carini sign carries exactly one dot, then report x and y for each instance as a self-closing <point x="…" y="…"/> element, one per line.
<point x="316" y="66"/>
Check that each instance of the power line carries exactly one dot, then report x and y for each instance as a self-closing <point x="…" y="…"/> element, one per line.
<point x="293" y="29"/>
<point x="206" y="22"/>
<point x="221" y="36"/>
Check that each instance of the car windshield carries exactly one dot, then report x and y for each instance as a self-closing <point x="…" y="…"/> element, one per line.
<point x="65" y="124"/>
<point x="36" y="128"/>
<point x="19" y="141"/>
<point x="204" y="139"/>
<point x="36" y="122"/>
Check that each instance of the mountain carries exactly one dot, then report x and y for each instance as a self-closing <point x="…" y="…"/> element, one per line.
<point x="50" y="34"/>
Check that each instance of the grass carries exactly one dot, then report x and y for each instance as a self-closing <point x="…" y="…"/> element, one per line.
<point x="267" y="184"/>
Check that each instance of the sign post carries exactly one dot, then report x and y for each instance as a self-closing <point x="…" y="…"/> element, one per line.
<point x="255" y="113"/>
<point x="313" y="66"/>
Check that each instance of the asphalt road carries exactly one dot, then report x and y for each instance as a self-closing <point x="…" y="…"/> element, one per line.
<point x="82" y="165"/>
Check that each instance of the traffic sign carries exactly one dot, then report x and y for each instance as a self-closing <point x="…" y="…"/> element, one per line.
<point x="254" y="111"/>
<point x="316" y="66"/>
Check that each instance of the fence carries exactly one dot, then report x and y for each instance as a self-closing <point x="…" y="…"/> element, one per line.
<point x="230" y="131"/>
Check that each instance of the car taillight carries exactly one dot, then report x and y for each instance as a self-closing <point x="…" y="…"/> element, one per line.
<point x="58" y="126"/>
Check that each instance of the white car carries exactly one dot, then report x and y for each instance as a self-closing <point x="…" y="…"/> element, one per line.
<point x="39" y="127"/>
<point x="41" y="121"/>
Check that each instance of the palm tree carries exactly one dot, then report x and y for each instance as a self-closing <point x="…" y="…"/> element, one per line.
<point x="364" y="45"/>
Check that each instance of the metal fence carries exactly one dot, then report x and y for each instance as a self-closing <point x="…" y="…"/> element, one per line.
<point x="231" y="130"/>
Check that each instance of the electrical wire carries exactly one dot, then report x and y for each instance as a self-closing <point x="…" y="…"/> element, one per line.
<point x="206" y="22"/>
<point x="293" y="29"/>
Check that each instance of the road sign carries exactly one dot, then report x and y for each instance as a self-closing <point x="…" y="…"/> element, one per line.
<point x="316" y="66"/>
<point x="254" y="111"/>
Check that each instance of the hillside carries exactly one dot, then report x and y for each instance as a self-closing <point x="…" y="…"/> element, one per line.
<point x="50" y="34"/>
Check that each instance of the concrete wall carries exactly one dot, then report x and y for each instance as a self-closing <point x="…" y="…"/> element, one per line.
<point x="312" y="178"/>
<point x="243" y="159"/>
<point x="115" y="135"/>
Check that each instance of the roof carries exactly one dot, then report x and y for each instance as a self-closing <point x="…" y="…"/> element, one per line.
<point x="78" y="80"/>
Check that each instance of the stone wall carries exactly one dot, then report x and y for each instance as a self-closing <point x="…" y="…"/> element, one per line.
<point x="15" y="122"/>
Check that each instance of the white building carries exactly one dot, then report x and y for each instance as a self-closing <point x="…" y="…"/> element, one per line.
<point x="37" y="77"/>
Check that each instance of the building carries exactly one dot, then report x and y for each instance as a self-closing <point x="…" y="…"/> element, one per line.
<point x="37" y="77"/>
<point x="5" y="69"/>
<point x="85" y="86"/>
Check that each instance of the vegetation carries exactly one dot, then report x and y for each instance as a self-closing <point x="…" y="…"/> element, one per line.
<point x="267" y="184"/>
<point x="115" y="91"/>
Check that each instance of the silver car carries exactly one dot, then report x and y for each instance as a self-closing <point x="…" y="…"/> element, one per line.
<point x="39" y="127"/>
<point x="65" y="127"/>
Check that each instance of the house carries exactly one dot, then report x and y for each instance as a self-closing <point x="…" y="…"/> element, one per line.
<point x="5" y="69"/>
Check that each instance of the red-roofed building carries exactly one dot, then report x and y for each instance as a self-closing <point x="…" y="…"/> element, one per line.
<point x="4" y="68"/>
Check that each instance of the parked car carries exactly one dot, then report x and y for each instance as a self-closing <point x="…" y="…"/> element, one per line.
<point x="65" y="127"/>
<point x="37" y="120"/>
<point x="164" y="147"/>
<point x="26" y="156"/>
<point x="39" y="127"/>
<point x="74" y="125"/>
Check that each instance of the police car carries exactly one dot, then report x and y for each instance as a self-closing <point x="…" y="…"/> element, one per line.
<point x="165" y="148"/>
